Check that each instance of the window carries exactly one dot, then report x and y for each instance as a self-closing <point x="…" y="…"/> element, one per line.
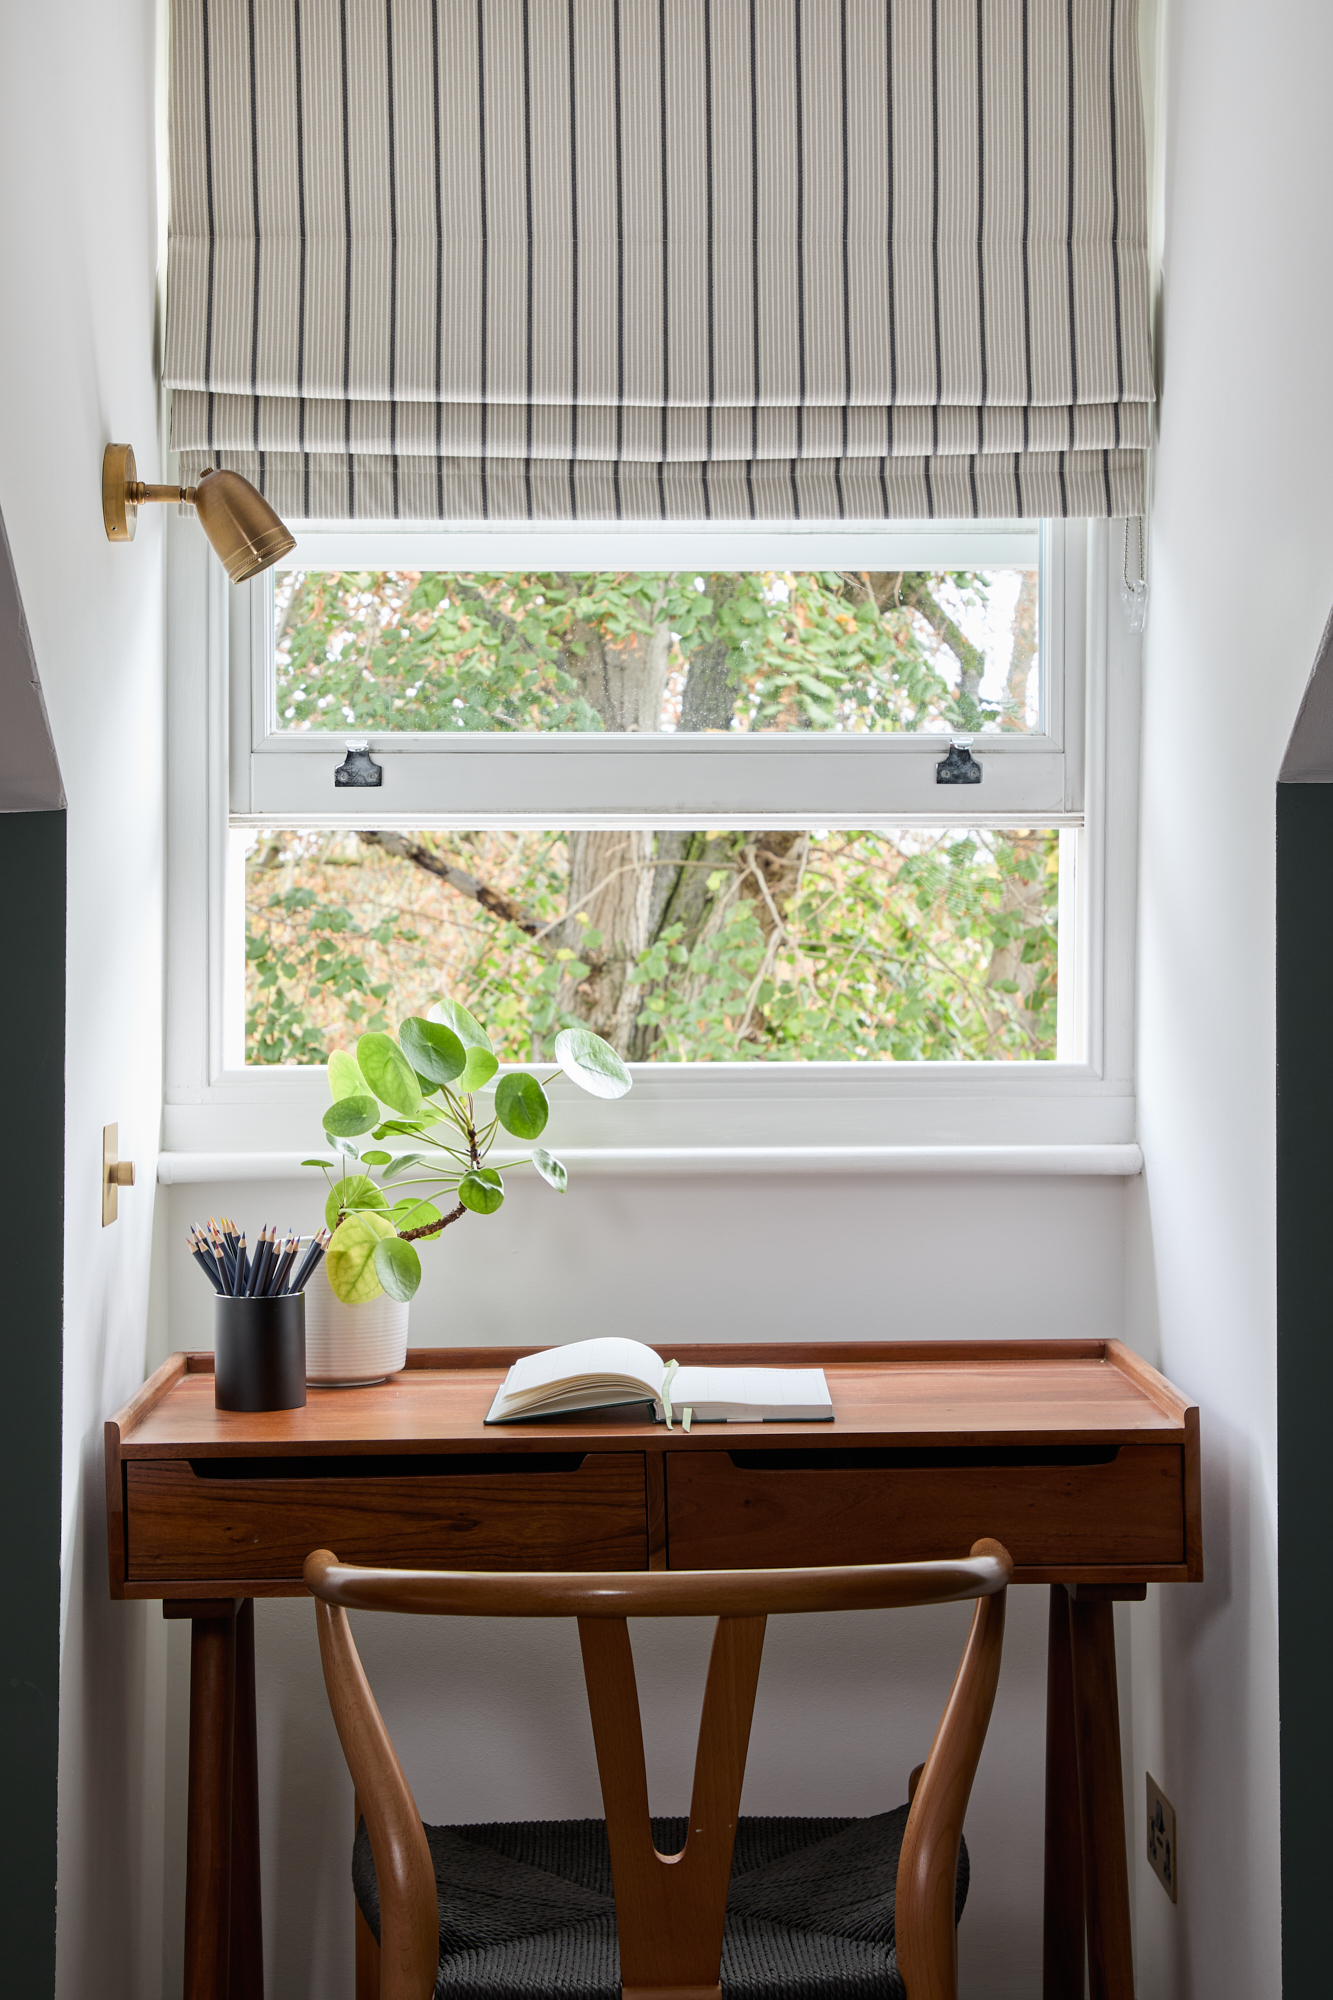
<point x="857" y="933"/>
<point x="691" y="745"/>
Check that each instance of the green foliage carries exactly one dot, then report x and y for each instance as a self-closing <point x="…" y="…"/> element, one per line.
<point x="351" y="1257"/>
<point x="771" y="650"/>
<point x="941" y="947"/>
<point x="921" y="945"/>
<point x="295" y="937"/>
<point x="910" y="946"/>
<point x="373" y="1244"/>
<point x="521" y="1105"/>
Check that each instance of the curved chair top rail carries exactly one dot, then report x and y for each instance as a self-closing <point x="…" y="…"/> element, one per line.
<point x="732" y="1593"/>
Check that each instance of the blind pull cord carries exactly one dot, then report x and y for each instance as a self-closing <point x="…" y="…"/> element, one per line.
<point x="1134" y="592"/>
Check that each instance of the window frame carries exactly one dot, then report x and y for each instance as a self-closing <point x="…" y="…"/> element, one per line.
<point x="284" y="777"/>
<point x="812" y="1113"/>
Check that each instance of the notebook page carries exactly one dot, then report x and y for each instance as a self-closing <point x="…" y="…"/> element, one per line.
<point x="767" y="1389"/>
<point x="610" y="1355"/>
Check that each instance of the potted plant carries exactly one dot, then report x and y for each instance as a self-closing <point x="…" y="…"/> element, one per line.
<point x="434" y="1087"/>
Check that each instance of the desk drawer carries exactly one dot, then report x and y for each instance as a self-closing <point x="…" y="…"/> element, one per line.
<point x="224" y="1519"/>
<point x="770" y="1508"/>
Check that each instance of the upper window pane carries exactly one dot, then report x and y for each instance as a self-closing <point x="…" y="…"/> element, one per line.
<point x="672" y="651"/>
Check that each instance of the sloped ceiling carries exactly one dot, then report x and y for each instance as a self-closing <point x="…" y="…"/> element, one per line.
<point x="1309" y="758"/>
<point x="29" y="771"/>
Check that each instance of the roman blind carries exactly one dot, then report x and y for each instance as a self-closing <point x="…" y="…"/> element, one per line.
<point x="660" y="259"/>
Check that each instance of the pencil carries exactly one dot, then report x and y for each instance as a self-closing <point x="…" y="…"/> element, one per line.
<point x="278" y="1282"/>
<point x="205" y="1262"/>
<point x="259" y="1269"/>
<point x="310" y="1261"/>
<point x="241" y="1277"/>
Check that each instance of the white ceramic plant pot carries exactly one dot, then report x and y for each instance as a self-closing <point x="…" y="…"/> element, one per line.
<point x="348" y="1346"/>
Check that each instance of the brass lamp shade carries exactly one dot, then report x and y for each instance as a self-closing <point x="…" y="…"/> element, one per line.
<point x="244" y="530"/>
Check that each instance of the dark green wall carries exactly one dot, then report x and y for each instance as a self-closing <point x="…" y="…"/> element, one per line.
<point x="32" y="1182"/>
<point x="1305" y="1369"/>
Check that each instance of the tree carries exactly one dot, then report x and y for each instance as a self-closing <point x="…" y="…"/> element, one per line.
<point x="737" y="943"/>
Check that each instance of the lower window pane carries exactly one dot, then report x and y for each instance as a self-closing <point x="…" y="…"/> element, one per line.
<point x="908" y="945"/>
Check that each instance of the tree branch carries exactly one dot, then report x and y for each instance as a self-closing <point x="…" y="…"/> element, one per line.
<point x="467" y="593"/>
<point x="493" y="900"/>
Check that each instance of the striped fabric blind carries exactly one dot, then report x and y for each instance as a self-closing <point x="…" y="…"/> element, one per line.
<point x="661" y="259"/>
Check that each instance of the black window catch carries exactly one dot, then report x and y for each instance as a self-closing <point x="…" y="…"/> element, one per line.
<point x="358" y="767"/>
<point x="960" y="767"/>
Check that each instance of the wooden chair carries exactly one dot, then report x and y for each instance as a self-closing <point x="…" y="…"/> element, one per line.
<point x="677" y="1934"/>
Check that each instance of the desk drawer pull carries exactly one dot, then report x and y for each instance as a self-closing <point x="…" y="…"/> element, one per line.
<point x="921" y="1458"/>
<point x="399" y="1465"/>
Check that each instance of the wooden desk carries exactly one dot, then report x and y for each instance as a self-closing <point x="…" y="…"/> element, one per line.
<point x="1076" y="1455"/>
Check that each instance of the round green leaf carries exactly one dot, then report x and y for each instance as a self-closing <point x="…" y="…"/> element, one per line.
<point x="466" y="1026"/>
<point x="550" y="1169"/>
<point x="376" y="1159"/>
<point x="389" y="1073"/>
<point x="521" y="1106"/>
<point x="481" y="1067"/>
<point x="409" y="1214"/>
<point x="434" y="1051"/>
<point x="356" y="1191"/>
<point x="347" y="1116"/>
<point x="481" y="1064"/>
<point x="345" y="1079"/>
<point x="398" y="1267"/>
<point x="591" y="1063"/>
<point x="482" y="1190"/>
<point x="350" y="1259"/>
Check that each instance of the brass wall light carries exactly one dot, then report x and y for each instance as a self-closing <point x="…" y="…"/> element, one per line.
<point x="243" y="528"/>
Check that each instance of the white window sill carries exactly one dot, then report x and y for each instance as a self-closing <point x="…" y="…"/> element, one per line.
<point x="1106" y="1161"/>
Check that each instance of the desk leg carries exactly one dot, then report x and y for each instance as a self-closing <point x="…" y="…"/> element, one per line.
<point x="208" y="1848"/>
<point x="247" y="1930"/>
<point x="1062" y="1942"/>
<point x="1101" y="1797"/>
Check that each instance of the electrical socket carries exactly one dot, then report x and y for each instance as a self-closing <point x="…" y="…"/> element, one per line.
<point x="1162" y="1856"/>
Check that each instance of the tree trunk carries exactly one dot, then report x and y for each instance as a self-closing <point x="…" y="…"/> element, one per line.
<point x="709" y="701"/>
<point x="624" y="683"/>
<point x="1022" y="656"/>
<point x="611" y="884"/>
<point x="1026" y="898"/>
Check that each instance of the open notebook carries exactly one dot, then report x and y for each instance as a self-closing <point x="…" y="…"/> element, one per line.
<point x="592" y="1374"/>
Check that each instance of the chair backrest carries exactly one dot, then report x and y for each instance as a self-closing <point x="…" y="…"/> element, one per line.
<point x="670" y="1910"/>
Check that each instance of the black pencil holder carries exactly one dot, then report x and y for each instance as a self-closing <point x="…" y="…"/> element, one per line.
<point x="259" y="1353"/>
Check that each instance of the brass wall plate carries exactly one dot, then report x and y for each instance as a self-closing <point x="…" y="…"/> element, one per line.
<point x="119" y="514"/>
<point x="116" y="1173"/>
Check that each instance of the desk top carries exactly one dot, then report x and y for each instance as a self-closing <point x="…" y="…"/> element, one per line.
<point x="1076" y="1454"/>
<point x="884" y="1393"/>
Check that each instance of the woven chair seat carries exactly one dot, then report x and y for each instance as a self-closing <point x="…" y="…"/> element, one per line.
<point x="526" y="1908"/>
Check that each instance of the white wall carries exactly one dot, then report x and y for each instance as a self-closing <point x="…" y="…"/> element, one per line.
<point x="78" y="250"/>
<point x="1242" y="578"/>
<point x="492" y="1724"/>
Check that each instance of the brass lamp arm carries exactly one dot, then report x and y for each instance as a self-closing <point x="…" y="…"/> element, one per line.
<point x="139" y="494"/>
